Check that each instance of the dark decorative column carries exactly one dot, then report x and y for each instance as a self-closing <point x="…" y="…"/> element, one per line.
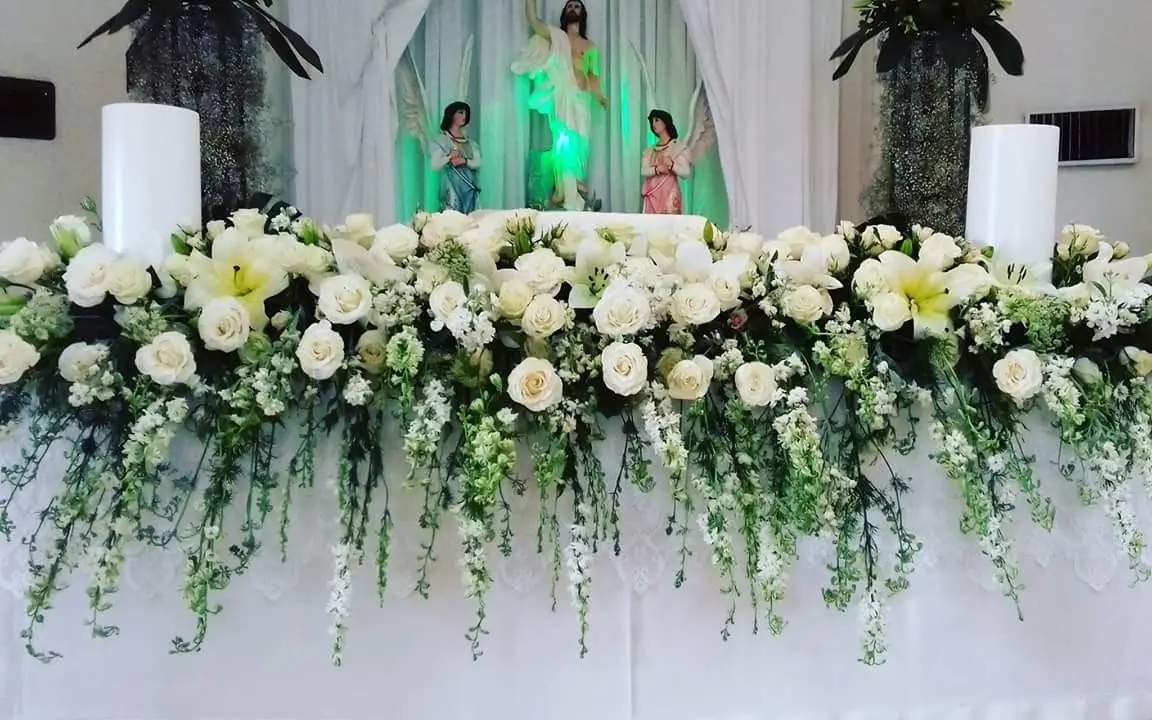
<point x="192" y="60"/>
<point x="927" y="110"/>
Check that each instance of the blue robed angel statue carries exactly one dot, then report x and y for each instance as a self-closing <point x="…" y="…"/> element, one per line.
<point x="452" y="154"/>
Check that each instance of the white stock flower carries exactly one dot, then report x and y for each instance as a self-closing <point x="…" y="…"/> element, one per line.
<point x="250" y="222"/>
<point x="17" y="357"/>
<point x="168" y="359"/>
<point x="1138" y="361"/>
<point x="624" y="368"/>
<point x="372" y="349"/>
<point x="1019" y="374"/>
<point x="622" y="311"/>
<point x="399" y="241"/>
<point x="756" y="384"/>
<point x="535" y="385"/>
<point x="805" y="304"/>
<point x="85" y="276"/>
<point x="543" y="317"/>
<point x="22" y="261"/>
<point x="543" y="270"/>
<point x="344" y="299"/>
<point x="689" y="379"/>
<point x="446" y="299"/>
<point x="78" y="361"/>
<point x="128" y="281"/>
<point x="695" y="304"/>
<point x="513" y="298"/>
<point x="224" y="324"/>
<point x="321" y="351"/>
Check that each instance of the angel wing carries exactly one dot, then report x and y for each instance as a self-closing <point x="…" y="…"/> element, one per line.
<point x="414" y="116"/>
<point x="703" y="133"/>
<point x="646" y="74"/>
<point x="466" y="69"/>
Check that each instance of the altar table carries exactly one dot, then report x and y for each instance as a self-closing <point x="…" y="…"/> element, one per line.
<point x="958" y="652"/>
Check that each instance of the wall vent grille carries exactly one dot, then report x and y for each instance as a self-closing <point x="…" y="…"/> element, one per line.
<point x="1098" y="136"/>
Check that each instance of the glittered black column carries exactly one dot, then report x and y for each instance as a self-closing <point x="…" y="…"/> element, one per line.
<point x="194" y="62"/>
<point x="927" y="110"/>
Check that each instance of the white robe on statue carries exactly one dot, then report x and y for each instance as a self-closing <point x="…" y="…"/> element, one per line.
<point x="557" y="95"/>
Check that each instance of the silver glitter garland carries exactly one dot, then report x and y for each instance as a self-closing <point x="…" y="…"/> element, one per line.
<point x="927" y="110"/>
<point x="193" y="62"/>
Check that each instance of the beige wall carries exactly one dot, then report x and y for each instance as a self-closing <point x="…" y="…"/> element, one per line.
<point x="41" y="180"/>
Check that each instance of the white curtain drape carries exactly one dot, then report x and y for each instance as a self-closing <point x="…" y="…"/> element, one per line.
<point x="510" y="136"/>
<point x="345" y="119"/>
<point x="765" y="64"/>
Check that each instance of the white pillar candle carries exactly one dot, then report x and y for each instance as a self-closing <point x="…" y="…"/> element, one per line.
<point x="1012" y="179"/>
<point x="150" y="178"/>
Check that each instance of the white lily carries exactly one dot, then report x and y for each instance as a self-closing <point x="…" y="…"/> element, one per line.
<point x="239" y="268"/>
<point x="921" y="290"/>
<point x="595" y="259"/>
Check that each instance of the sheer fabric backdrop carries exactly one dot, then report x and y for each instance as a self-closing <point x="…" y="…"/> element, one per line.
<point x="511" y="136"/>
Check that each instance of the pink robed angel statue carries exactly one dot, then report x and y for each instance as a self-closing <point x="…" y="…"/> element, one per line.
<point x="668" y="162"/>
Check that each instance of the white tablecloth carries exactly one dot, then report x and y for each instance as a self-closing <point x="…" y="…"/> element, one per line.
<point x="957" y="649"/>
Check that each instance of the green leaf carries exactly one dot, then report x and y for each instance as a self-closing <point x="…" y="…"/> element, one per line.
<point x="892" y="50"/>
<point x="1005" y="46"/>
<point x="281" y="46"/>
<point x="180" y="245"/>
<point x="298" y="43"/>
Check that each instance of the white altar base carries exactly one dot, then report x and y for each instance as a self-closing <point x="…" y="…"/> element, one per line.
<point x="958" y="652"/>
<point x="690" y="226"/>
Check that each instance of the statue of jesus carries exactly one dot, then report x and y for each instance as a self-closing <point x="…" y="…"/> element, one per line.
<point x="564" y="66"/>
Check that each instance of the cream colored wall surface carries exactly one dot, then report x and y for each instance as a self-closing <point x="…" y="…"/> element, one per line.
<point x="41" y="180"/>
<point x="1078" y="55"/>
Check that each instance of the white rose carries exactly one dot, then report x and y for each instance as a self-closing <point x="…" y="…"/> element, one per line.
<point x="128" y="281"/>
<point x="179" y="268"/>
<point x="878" y="238"/>
<point x="870" y="279"/>
<point x="224" y="324"/>
<point x="399" y="241"/>
<point x="797" y="239"/>
<point x="214" y="228"/>
<point x="1019" y="374"/>
<point x="70" y="233"/>
<point x="78" y="361"/>
<point x="344" y="299"/>
<point x="17" y="357"/>
<point x="321" y="351"/>
<point x="1138" y="361"/>
<point x="85" y="276"/>
<point x="446" y="299"/>
<point x="22" y="261"/>
<point x="543" y="317"/>
<point x="890" y="311"/>
<point x="513" y="298"/>
<point x="624" y="368"/>
<point x="1087" y="371"/>
<point x="358" y="227"/>
<point x="805" y="304"/>
<point x="372" y="348"/>
<point x="429" y="276"/>
<point x="622" y="311"/>
<point x="250" y="222"/>
<point x="419" y="220"/>
<point x="167" y="360"/>
<point x="689" y="379"/>
<point x="695" y="304"/>
<point x="444" y="226"/>
<point x="543" y="270"/>
<point x="745" y="243"/>
<point x="776" y="251"/>
<point x="836" y="249"/>
<point x="1078" y="241"/>
<point x="535" y="385"/>
<point x="728" y="278"/>
<point x="756" y="384"/>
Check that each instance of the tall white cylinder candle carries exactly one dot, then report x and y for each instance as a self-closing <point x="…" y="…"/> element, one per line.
<point x="1012" y="181"/>
<point x="150" y="177"/>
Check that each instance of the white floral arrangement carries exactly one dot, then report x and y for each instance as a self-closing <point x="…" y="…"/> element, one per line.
<point x="765" y="380"/>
